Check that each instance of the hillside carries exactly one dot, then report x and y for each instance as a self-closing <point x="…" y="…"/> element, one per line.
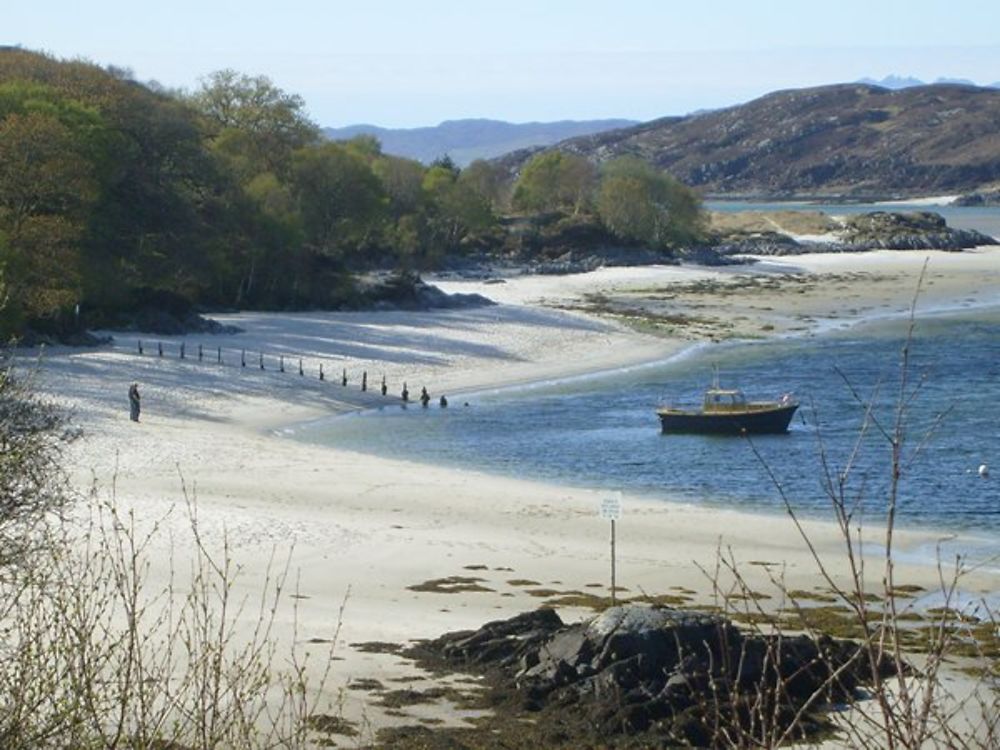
<point x="467" y="140"/>
<point x="850" y="140"/>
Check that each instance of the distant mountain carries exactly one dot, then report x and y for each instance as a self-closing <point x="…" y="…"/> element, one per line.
<point x="467" y="140"/>
<point x="895" y="82"/>
<point x="841" y="140"/>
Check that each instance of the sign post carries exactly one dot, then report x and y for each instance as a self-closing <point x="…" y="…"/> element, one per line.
<point x="611" y="509"/>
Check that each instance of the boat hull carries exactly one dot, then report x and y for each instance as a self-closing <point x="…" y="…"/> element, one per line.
<point x="757" y="422"/>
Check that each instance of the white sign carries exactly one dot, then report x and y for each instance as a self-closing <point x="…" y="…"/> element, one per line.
<point x="611" y="507"/>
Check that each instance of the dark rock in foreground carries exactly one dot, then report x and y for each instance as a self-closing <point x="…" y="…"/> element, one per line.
<point x="652" y="675"/>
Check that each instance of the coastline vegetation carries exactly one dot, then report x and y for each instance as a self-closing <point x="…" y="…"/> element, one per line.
<point x="117" y="196"/>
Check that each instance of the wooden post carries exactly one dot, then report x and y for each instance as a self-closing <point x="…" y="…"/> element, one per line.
<point x="301" y="371"/>
<point x="200" y="353"/>
<point x="281" y="363"/>
<point x="613" y="586"/>
<point x="321" y="371"/>
<point x="219" y="355"/>
<point x="140" y="346"/>
<point x="182" y="350"/>
<point x="611" y="509"/>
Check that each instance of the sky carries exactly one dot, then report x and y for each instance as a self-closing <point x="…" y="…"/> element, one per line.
<point x="411" y="63"/>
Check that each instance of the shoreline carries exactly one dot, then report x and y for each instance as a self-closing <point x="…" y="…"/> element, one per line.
<point x="370" y="529"/>
<point x="967" y="536"/>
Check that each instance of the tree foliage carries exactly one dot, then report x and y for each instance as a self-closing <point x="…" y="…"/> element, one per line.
<point x="641" y="204"/>
<point x="113" y="194"/>
<point x="554" y="181"/>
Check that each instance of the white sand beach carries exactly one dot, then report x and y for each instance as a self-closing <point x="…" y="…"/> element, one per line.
<point x="361" y="529"/>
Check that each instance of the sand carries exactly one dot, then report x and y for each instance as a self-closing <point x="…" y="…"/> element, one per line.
<point x="358" y="530"/>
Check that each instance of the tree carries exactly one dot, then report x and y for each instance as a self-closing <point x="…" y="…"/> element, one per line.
<point x="46" y="184"/>
<point x="638" y="203"/>
<point x="555" y="180"/>
<point x="457" y="211"/>
<point x="487" y="180"/>
<point x="340" y="198"/>
<point x="402" y="179"/>
<point x="253" y="120"/>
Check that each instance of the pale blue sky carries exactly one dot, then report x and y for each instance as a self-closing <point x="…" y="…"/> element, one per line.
<point x="409" y="63"/>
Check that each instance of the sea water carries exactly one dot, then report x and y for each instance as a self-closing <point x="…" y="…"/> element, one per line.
<point x="857" y="396"/>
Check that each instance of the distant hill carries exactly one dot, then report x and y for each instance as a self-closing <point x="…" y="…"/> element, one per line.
<point x="851" y="140"/>
<point x="467" y="140"/>
<point x="893" y="81"/>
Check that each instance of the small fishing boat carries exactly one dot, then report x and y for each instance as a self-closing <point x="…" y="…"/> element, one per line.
<point x="728" y="412"/>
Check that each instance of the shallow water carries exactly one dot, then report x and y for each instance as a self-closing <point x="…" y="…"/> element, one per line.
<point x="602" y="431"/>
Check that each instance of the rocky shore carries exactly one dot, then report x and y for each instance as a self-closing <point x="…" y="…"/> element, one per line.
<point x="648" y="676"/>
<point x="878" y="230"/>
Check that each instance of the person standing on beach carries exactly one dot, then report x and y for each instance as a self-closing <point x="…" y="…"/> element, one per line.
<point x="133" y="402"/>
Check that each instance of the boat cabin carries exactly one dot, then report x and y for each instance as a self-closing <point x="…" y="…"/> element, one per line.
<point x="723" y="400"/>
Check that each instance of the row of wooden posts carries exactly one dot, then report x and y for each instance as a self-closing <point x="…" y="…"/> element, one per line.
<point x="383" y="387"/>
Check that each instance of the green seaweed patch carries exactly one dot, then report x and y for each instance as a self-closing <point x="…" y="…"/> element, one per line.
<point x="378" y="647"/>
<point x="601" y="603"/>
<point x="327" y="724"/>
<point x="665" y="600"/>
<point x="546" y="593"/>
<point x="409" y="697"/>
<point x="366" y="684"/>
<point x="451" y="585"/>
<point x="583" y="600"/>
<point x="523" y="582"/>
<point x="831" y="620"/>
<point x="475" y="567"/>
<point x="748" y="596"/>
<point x="801" y="595"/>
<point x="906" y="589"/>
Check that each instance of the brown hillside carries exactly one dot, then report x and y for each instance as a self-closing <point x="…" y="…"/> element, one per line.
<point x="850" y="139"/>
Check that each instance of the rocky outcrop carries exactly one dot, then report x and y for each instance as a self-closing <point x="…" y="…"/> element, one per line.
<point x="919" y="230"/>
<point x="167" y="323"/>
<point x="666" y="675"/>
<point x="877" y="230"/>
<point x="407" y="291"/>
<point x="980" y="198"/>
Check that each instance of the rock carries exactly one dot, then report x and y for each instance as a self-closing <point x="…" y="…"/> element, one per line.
<point x="407" y="291"/>
<point x="656" y="672"/>
<point x="980" y="198"/>
<point x="166" y="323"/>
<point x="919" y="230"/>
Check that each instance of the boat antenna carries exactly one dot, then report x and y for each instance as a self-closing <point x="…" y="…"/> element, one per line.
<point x="715" y="375"/>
